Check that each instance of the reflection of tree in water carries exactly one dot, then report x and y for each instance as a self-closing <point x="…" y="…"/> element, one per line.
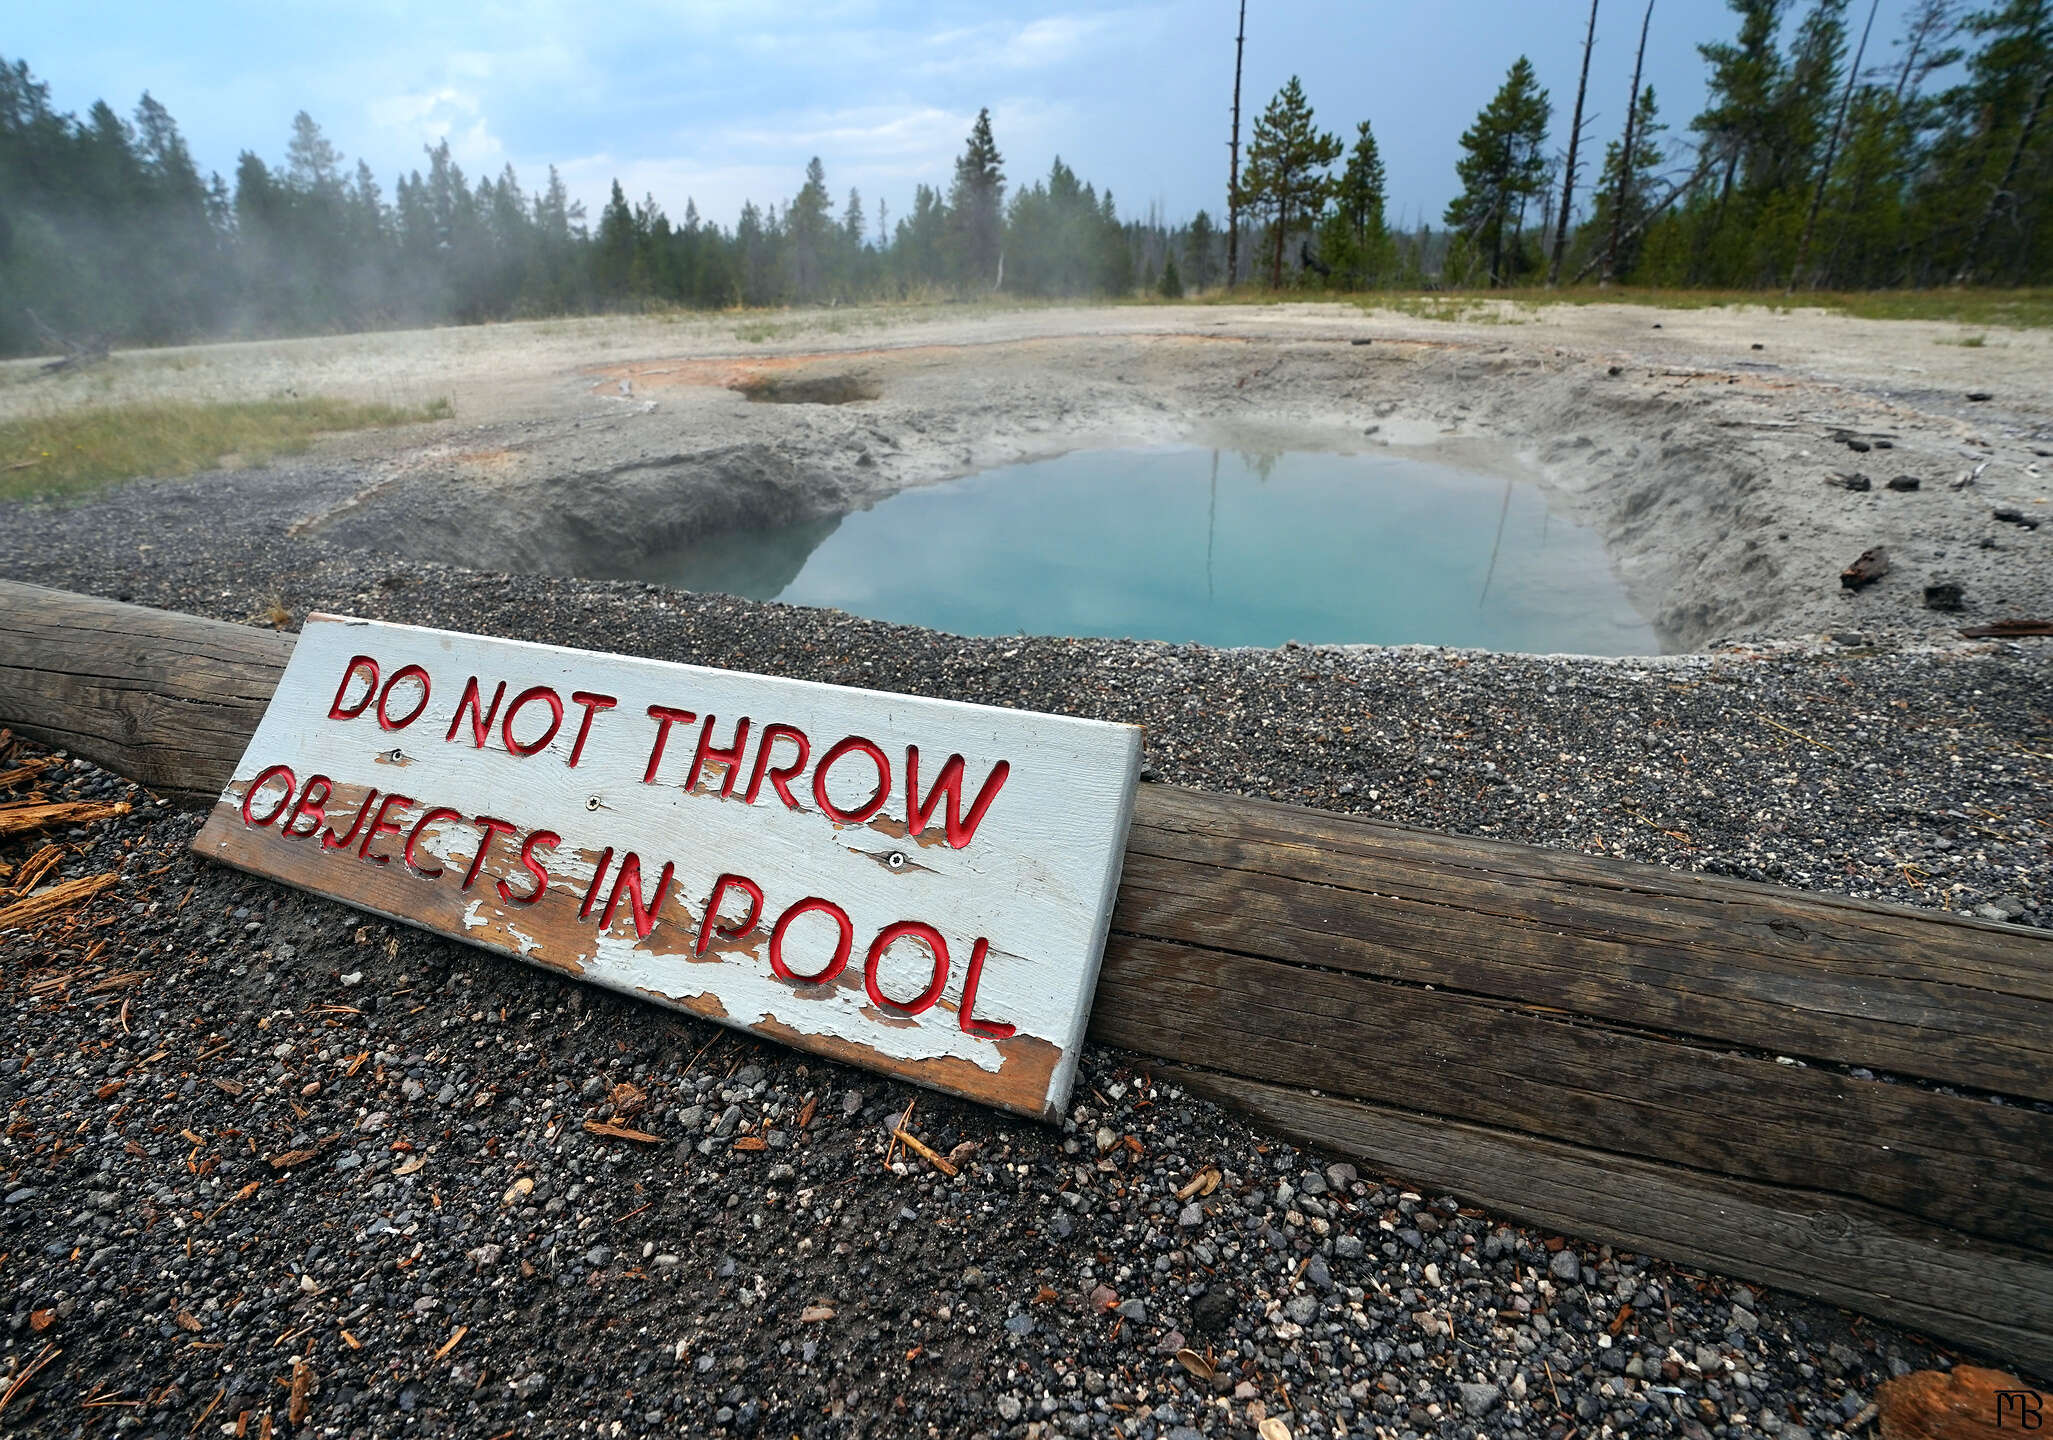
<point x="1211" y="524"/>
<point x="752" y="564"/>
<point x="1262" y="462"/>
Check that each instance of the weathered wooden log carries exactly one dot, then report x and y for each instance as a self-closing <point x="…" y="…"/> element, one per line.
<point x="1847" y="1100"/>
<point x="1871" y="566"/>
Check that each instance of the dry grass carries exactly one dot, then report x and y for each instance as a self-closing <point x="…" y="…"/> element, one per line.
<point x="2005" y="309"/>
<point x="70" y="451"/>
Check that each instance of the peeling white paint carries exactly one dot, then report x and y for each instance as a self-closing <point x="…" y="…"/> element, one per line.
<point x="1036" y="880"/>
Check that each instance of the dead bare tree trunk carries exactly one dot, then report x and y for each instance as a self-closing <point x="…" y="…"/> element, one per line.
<point x="1679" y="188"/>
<point x="1233" y="164"/>
<point x="1632" y="113"/>
<point x="1853" y="75"/>
<point x="1575" y="135"/>
<point x="2024" y="138"/>
<point x="79" y="350"/>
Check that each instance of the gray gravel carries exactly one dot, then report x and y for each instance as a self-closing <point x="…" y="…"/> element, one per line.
<point x="197" y="1025"/>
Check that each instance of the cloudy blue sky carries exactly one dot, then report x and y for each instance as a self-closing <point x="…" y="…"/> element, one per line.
<point x="723" y="100"/>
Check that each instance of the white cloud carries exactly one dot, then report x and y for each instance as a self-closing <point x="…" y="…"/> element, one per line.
<point x="427" y="117"/>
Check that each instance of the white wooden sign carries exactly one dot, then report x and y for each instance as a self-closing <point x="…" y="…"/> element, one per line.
<point x="917" y="886"/>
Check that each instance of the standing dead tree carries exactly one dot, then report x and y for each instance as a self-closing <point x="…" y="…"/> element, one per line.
<point x="1233" y="163"/>
<point x="1632" y="110"/>
<point x="1575" y="135"/>
<point x="1853" y="73"/>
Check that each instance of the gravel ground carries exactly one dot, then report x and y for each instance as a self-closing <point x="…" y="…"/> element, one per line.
<point x="275" y="1158"/>
<point x="261" y="1146"/>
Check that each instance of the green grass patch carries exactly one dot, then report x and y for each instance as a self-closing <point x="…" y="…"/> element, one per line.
<point x="69" y="451"/>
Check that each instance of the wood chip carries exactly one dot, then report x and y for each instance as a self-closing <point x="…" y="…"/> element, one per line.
<point x="805" y="1114"/>
<point x="44" y="1356"/>
<point x="814" y="1314"/>
<point x="23" y="819"/>
<point x="751" y="1142"/>
<point x="302" y="1377"/>
<point x="230" y="1087"/>
<point x="188" y="1321"/>
<point x="26" y="771"/>
<point x="59" y="897"/>
<point x="2004" y="629"/>
<point x="208" y="1411"/>
<point x="621" y="1132"/>
<point x="41" y="1320"/>
<point x="294" y="1157"/>
<point x="36" y="867"/>
<point x="518" y="1190"/>
<point x="409" y="1167"/>
<point x="927" y="1153"/>
<point x="452" y="1342"/>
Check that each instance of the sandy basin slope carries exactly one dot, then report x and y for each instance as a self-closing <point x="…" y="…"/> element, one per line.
<point x="1701" y="444"/>
<point x="684" y="1287"/>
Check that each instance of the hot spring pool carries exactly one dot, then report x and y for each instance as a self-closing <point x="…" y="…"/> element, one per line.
<point x="1198" y="545"/>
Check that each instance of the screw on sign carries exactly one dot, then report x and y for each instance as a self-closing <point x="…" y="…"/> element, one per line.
<point x="919" y="886"/>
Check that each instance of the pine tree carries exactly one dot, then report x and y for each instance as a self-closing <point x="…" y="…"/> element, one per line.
<point x="2001" y="136"/>
<point x="311" y="163"/>
<point x="1198" y="244"/>
<point x="1285" y="177"/>
<point x="1170" y="286"/>
<point x="1744" y="76"/>
<point x="613" y="257"/>
<point x="1629" y="202"/>
<point x="1503" y="168"/>
<point x="806" y="224"/>
<point x="1355" y="241"/>
<point x="976" y="207"/>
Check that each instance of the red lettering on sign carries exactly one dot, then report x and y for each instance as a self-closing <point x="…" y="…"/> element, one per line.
<point x="534" y="868"/>
<point x="533" y="692"/>
<point x="937" y="948"/>
<point x="414" y="672"/>
<point x="335" y="711"/>
<point x="713" y="923"/>
<point x="380" y="826"/>
<point x="991" y="1029"/>
<point x="308" y="807"/>
<point x="331" y="841"/>
<point x="728" y="759"/>
<point x="630" y="880"/>
<point x="493" y="829"/>
<point x="781" y="777"/>
<point x="276" y="771"/>
<point x="480" y="718"/>
<point x="834" y="967"/>
<point x="853" y="744"/>
<point x="593" y="705"/>
<point x="584" y="911"/>
<point x="664" y="717"/>
<point x="413" y="838"/>
<point x="960" y="831"/>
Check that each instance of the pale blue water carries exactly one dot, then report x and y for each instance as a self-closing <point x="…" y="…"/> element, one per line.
<point x="1200" y="545"/>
